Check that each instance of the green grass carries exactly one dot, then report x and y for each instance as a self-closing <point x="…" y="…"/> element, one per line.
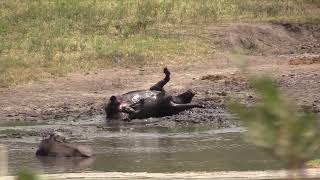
<point x="314" y="163"/>
<point x="49" y="38"/>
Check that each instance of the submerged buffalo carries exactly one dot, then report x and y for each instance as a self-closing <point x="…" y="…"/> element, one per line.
<point x="155" y="102"/>
<point x="56" y="146"/>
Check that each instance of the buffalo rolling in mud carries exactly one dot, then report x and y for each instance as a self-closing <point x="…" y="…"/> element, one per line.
<point x="155" y="102"/>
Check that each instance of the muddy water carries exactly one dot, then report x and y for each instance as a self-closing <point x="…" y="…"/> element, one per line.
<point x="140" y="147"/>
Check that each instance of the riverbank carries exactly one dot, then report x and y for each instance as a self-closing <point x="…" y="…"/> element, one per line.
<point x="234" y="175"/>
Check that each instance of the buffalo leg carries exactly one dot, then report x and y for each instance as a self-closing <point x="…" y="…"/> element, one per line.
<point x="182" y="107"/>
<point x="159" y="85"/>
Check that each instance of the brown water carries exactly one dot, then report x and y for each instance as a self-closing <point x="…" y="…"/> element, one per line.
<point x="143" y="148"/>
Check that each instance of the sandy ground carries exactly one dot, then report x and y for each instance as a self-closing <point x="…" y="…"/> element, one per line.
<point x="290" y="53"/>
<point x="232" y="175"/>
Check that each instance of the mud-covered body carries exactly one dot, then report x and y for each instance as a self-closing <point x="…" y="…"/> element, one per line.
<point x="56" y="148"/>
<point x="137" y="98"/>
<point x="155" y="102"/>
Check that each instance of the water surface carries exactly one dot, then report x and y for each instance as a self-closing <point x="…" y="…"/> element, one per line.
<point x="141" y="147"/>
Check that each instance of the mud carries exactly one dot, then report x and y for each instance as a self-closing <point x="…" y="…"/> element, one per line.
<point x="305" y="59"/>
<point x="97" y="126"/>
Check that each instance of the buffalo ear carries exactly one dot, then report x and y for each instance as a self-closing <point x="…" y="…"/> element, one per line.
<point x="113" y="99"/>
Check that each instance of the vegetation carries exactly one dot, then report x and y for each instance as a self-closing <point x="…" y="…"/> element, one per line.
<point x="48" y="38"/>
<point x="314" y="163"/>
<point x="277" y="127"/>
<point x="26" y="175"/>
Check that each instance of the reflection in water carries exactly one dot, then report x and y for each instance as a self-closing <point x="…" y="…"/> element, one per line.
<point x="65" y="164"/>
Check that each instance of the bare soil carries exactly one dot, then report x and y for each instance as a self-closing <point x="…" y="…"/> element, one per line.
<point x="290" y="53"/>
